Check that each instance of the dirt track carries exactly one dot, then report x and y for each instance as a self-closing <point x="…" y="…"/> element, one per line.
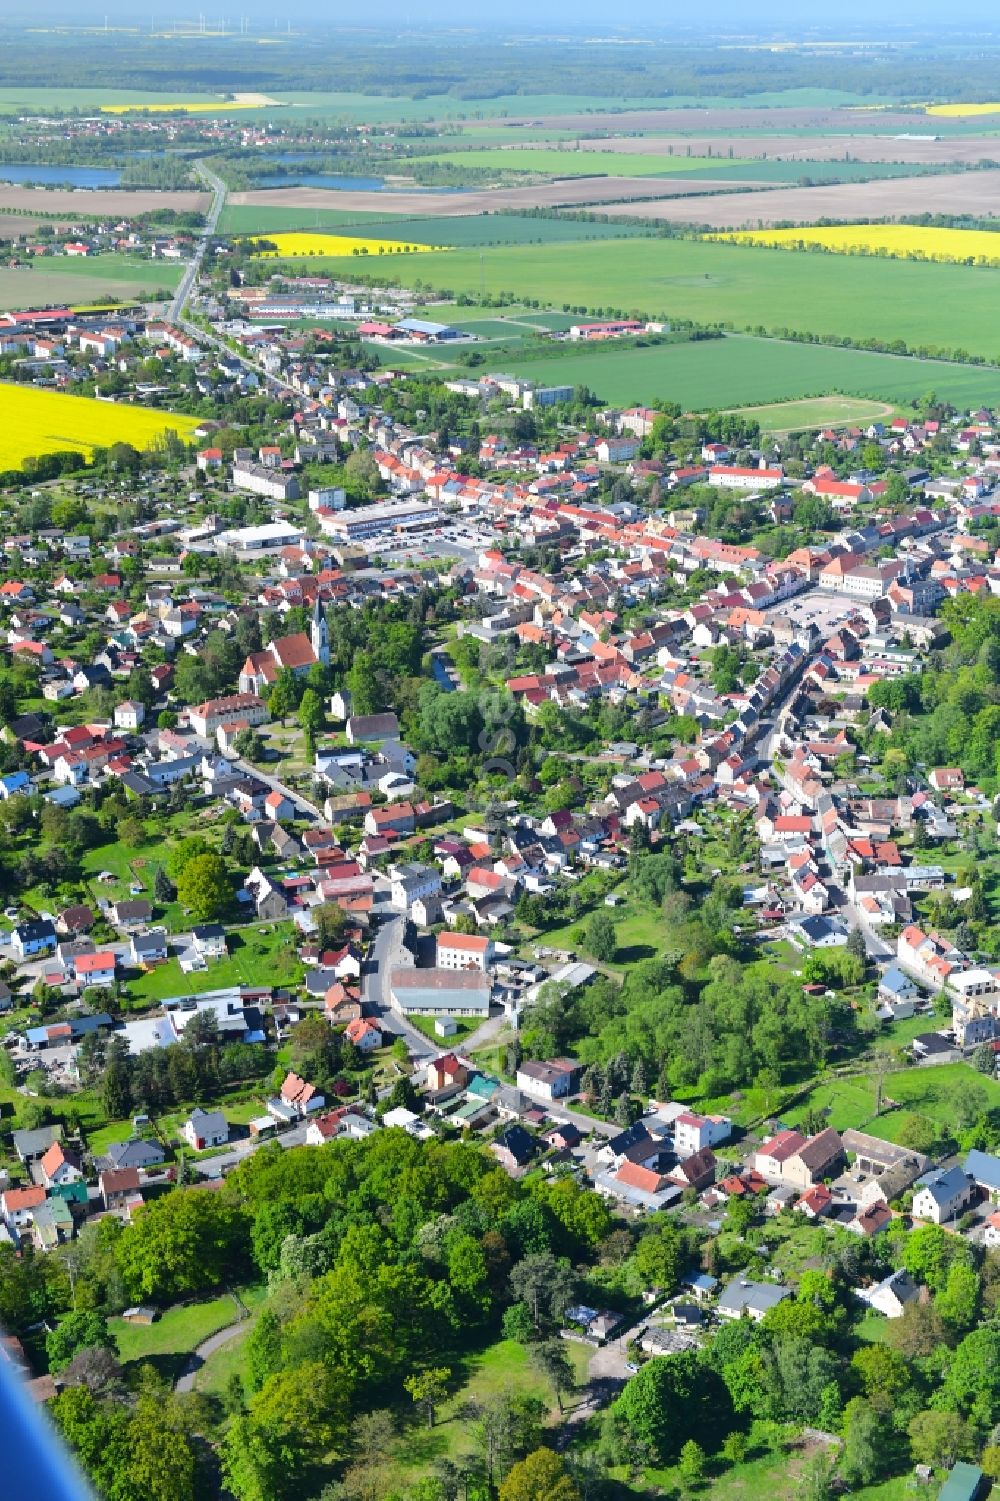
<point x="835" y="147"/>
<point x="574" y="191"/>
<point x="97" y="203"/>
<point x="952" y="193"/>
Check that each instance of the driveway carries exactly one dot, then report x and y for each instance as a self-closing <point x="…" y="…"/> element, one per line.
<point x="877" y="947"/>
<point x="302" y="805"/>
<point x="216" y="1167"/>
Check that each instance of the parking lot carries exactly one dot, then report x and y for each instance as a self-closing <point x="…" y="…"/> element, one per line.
<point x="825" y="611"/>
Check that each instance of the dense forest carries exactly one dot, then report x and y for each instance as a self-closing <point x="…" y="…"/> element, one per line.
<point x="475" y="67"/>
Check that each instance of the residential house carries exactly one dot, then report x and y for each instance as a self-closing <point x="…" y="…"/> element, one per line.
<point x="137" y="1152"/>
<point x="205" y="1128"/>
<point x="118" y="1187"/>
<point x="754" y="1299"/>
<point x="514" y="1148"/>
<point x="943" y="1195"/>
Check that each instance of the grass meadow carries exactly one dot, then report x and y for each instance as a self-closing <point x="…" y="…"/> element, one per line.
<point x="550" y="161"/>
<point x="925" y="305"/>
<point x="736" y="372"/>
<point x="64" y="280"/>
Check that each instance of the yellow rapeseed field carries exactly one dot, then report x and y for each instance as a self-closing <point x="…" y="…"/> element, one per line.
<point x="907" y="241"/>
<point x="956" y="111"/>
<point x="193" y="106"/>
<point x="301" y="243"/>
<point x="34" y="422"/>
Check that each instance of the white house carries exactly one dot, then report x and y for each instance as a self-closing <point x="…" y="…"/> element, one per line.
<point x="693" y="1133"/>
<point x="205" y="1128"/>
<point x="464" y="951"/>
<point x="943" y="1195"/>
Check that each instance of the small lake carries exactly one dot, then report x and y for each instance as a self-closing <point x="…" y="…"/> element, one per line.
<point x="323" y="180"/>
<point x="76" y="177"/>
<point x="348" y="184"/>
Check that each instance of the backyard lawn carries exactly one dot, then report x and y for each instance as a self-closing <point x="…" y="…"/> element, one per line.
<point x="258" y="956"/>
<point x="772" y="1477"/>
<point x="167" y="1343"/>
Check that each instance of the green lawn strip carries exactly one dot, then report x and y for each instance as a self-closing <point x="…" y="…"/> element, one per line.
<point x="425" y="1024"/>
<point x="223" y="1364"/>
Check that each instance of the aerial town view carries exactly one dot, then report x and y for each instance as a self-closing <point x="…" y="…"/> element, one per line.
<point x="500" y="753"/>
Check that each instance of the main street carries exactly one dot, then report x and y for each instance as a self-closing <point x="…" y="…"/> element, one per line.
<point x="190" y="276"/>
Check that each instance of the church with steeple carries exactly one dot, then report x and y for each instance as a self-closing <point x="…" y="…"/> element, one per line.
<point x="297" y="653"/>
<point x="319" y="634"/>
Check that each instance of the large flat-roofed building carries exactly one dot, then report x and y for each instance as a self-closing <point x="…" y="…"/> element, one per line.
<point x="423" y="330"/>
<point x="270" y="536"/>
<point x="372" y="521"/>
<point x="440" y="992"/>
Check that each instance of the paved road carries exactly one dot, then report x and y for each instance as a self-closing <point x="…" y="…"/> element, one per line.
<point x="381" y="961"/>
<point x="877" y="947"/>
<point x="197" y="1358"/>
<point x="302" y="804"/>
<point x="214" y="1167"/>
<point x="194" y="266"/>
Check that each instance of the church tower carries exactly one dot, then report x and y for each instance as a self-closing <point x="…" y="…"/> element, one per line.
<point x="319" y="635"/>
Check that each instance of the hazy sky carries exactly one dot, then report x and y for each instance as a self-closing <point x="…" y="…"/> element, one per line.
<point x="790" y="16"/>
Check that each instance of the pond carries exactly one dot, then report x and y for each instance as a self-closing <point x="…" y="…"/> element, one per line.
<point x="60" y="175"/>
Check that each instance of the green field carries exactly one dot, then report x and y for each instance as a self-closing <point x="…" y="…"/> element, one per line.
<point x="737" y="371"/>
<point x="821" y="411"/>
<point x="921" y="1091"/>
<point x="167" y="1343"/>
<point x="550" y="162"/>
<point x="926" y="305"/>
<point x="256" y="958"/>
<point x="553" y="162"/>
<point x="462" y="230"/>
<point x="501" y="1367"/>
<point x="16" y="100"/>
<point x="252" y="219"/>
<point x="72" y="281"/>
<point x="506" y="229"/>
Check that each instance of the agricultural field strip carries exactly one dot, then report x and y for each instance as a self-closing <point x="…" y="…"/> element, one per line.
<point x="927" y="306"/>
<point x="791" y="148"/>
<point x="973" y="193"/>
<point x="35" y="422"/>
<point x="313" y="243"/>
<point x="910" y="241"/>
<point x="570" y="193"/>
<point x="736" y="372"/>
